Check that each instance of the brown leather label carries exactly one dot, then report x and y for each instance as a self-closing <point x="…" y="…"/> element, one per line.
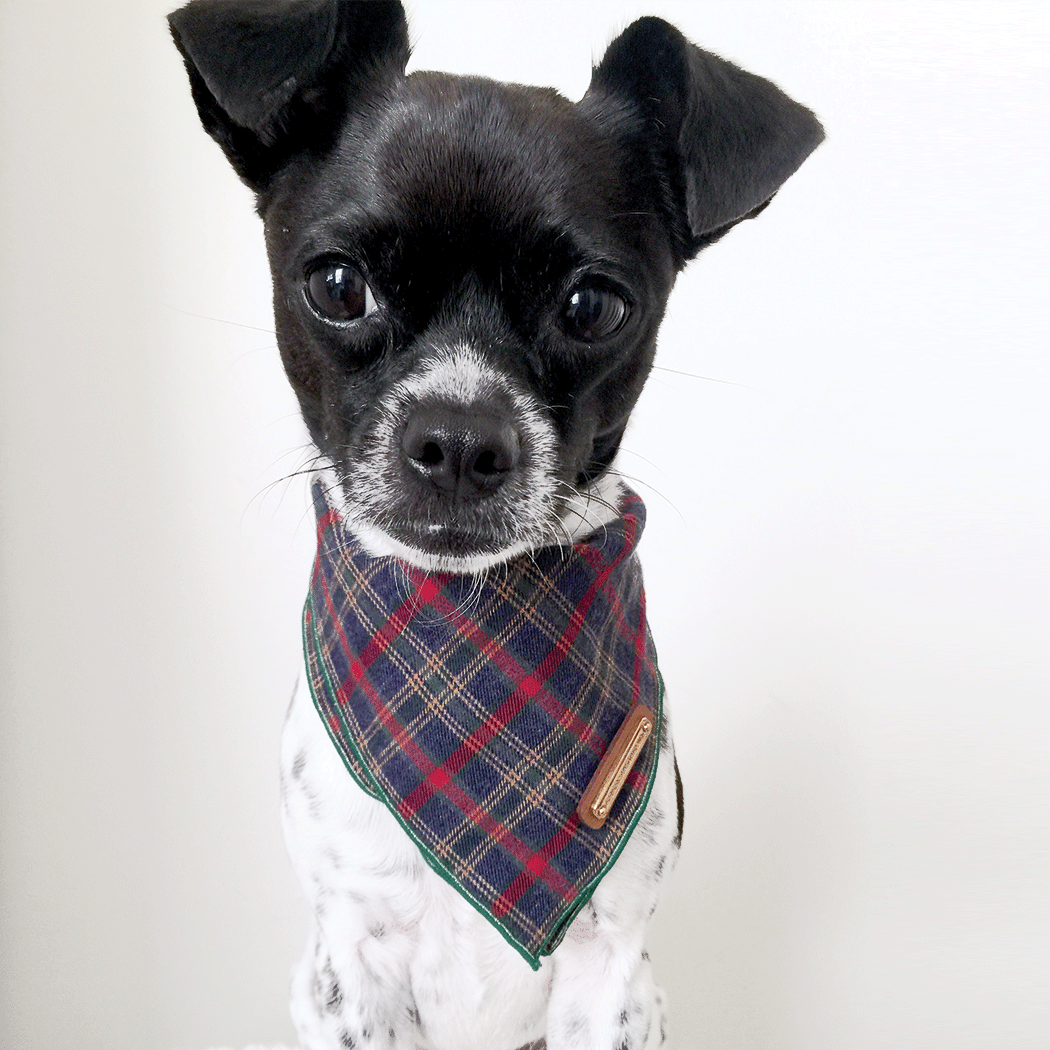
<point x="616" y="763"/>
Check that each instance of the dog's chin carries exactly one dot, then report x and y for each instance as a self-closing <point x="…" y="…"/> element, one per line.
<point x="444" y="550"/>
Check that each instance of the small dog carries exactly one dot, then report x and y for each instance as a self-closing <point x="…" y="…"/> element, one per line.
<point x="468" y="281"/>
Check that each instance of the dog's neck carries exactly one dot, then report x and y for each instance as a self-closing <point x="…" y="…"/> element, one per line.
<point x="591" y="509"/>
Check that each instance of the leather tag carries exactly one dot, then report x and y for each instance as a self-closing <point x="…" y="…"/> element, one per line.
<point x="616" y="763"/>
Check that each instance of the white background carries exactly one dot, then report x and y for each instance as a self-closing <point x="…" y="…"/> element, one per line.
<point x="847" y="552"/>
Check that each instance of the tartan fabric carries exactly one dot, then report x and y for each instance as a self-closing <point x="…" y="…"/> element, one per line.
<point x="477" y="709"/>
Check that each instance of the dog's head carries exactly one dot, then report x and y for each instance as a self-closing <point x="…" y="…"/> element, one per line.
<point x="469" y="275"/>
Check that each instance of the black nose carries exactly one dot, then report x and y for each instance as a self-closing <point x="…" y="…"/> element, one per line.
<point x="468" y="454"/>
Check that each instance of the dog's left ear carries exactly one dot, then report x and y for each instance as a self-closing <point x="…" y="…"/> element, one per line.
<point x="723" y="140"/>
<point x="273" y="78"/>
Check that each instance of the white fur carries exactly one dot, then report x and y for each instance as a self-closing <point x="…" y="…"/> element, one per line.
<point x="399" y="960"/>
<point x="392" y="941"/>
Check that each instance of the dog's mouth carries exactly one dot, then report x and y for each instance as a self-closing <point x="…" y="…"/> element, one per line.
<point x="452" y="541"/>
<point x="459" y="550"/>
<point x="471" y="548"/>
<point x="454" y="545"/>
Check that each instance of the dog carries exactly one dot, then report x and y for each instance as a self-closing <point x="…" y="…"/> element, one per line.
<point x="468" y="281"/>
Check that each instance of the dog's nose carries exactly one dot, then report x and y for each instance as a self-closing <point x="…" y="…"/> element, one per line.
<point x="466" y="453"/>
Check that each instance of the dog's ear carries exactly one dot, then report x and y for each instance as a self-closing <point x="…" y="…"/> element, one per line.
<point x="725" y="139"/>
<point x="273" y="78"/>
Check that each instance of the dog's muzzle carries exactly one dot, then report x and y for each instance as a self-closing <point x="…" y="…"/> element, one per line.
<point x="460" y="466"/>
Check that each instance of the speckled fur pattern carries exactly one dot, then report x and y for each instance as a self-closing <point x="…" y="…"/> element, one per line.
<point x="398" y="960"/>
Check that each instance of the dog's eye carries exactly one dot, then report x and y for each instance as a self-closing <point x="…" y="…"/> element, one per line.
<point x="593" y="313"/>
<point x="338" y="292"/>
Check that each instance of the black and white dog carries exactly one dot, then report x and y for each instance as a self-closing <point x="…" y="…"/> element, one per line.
<point x="468" y="281"/>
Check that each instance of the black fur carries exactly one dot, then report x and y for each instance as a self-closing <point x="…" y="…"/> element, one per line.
<point x="679" y="804"/>
<point x="475" y="209"/>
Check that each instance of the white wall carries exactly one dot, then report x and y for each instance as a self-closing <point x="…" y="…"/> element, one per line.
<point x="847" y="552"/>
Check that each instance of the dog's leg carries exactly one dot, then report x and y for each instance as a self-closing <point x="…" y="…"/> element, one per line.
<point x="603" y="996"/>
<point x="337" y="1005"/>
<point x="350" y="988"/>
<point x="311" y="994"/>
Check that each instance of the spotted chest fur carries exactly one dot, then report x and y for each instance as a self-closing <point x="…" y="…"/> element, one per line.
<point x="397" y="959"/>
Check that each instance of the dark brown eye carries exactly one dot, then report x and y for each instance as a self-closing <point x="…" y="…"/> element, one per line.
<point x="338" y="292"/>
<point x="591" y="314"/>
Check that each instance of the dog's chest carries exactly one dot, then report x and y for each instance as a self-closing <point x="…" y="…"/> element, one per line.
<point x="412" y="947"/>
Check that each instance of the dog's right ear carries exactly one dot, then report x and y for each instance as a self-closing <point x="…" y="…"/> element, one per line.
<point x="273" y="78"/>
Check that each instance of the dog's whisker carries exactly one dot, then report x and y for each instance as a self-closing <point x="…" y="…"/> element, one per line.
<point x="652" y="488"/>
<point x="255" y="350"/>
<point x="285" y="481"/>
<point x="705" y="379"/>
<point x="223" y="320"/>
<point x="644" y="459"/>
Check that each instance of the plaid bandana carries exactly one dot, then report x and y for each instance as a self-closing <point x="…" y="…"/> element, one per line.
<point x="477" y="709"/>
